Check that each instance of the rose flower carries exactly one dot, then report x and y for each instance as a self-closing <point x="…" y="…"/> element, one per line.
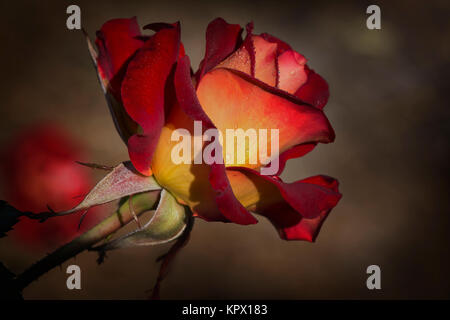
<point x="256" y="82"/>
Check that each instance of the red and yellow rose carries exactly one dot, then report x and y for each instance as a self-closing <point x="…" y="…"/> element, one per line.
<point x="254" y="82"/>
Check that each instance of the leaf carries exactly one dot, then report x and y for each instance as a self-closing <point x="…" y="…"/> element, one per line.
<point x="168" y="258"/>
<point x="122" y="181"/>
<point x="95" y="166"/>
<point x="9" y="216"/>
<point x="167" y="224"/>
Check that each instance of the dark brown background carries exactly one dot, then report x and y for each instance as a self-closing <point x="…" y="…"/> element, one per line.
<point x="389" y="108"/>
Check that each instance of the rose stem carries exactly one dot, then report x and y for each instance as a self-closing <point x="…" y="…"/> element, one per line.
<point x="141" y="203"/>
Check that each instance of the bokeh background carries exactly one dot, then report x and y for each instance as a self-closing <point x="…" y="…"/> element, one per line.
<point x="388" y="106"/>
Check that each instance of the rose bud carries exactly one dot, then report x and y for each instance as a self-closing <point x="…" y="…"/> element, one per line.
<point x="39" y="171"/>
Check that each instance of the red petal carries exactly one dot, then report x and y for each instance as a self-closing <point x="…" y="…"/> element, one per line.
<point x="282" y="46"/>
<point x="256" y="57"/>
<point x="291" y="70"/>
<point x="308" y="198"/>
<point x="158" y="26"/>
<point x="222" y="39"/>
<point x="225" y="200"/>
<point x="294" y="152"/>
<point x="291" y="73"/>
<point x="314" y="91"/>
<point x="260" y="106"/>
<point x="305" y="229"/>
<point x="308" y="229"/>
<point x="296" y="209"/>
<point x="265" y="60"/>
<point x="117" y="41"/>
<point x="143" y="92"/>
<point x="186" y="95"/>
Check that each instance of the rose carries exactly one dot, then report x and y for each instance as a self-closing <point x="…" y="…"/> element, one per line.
<point x="256" y="82"/>
<point x="39" y="170"/>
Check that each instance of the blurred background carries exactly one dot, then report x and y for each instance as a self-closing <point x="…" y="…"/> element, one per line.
<point x="388" y="106"/>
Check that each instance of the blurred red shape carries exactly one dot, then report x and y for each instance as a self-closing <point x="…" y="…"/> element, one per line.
<point x="39" y="170"/>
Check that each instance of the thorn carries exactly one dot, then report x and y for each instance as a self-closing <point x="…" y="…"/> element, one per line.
<point x="91" y="49"/>
<point x="130" y="204"/>
<point x="45" y="215"/>
<point x="95" y="166"/>
<point x="84" y="32"/>
<point x="156" y="292"/>
<point x="82" y="218"/>
<point x="101" y="256"/>
<point x="161" y="257"/>
<point x="51" y="210"/>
